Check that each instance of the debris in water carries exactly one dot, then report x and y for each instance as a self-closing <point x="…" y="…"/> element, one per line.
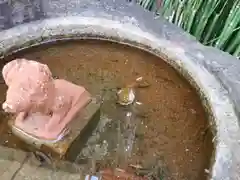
<point x="41" y="159"/>
<point x="120" y="174"/>
<point x="138" y="103"/>
<point x="139" y="79"/>
<point x="126" y="96"/>
<point x="129" y="134"/>
<point x="155" y="170"/>
<point x="137" y="166"/>
<point x="140" y="110"/>
<point x="206" y="171"/>
<point x="89" y="177"/>
<point x="142" y="83"/>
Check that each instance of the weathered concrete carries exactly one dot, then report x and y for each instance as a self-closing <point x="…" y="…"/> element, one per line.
<point x="70" y="146"/>
<point x="214" y="74"/>
<point x="32" y="173"/>
<point x="20" y="164"/>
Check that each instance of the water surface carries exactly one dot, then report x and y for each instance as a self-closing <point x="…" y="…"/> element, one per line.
<point x="171" y="127"/>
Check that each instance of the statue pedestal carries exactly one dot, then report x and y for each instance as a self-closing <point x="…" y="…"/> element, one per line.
<point x="69" y="147"/>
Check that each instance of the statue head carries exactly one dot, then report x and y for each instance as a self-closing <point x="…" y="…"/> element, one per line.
<point x="30" y="86"/>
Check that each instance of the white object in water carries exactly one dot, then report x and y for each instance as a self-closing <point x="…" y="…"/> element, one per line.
<point x="92" y="178"/>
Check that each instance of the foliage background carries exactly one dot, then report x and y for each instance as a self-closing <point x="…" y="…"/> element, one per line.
<point x="213" y="22"/>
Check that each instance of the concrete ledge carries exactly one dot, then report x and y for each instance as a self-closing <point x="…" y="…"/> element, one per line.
<point x="10" y="154"/>
<point x="12" y="160"/>
<point x="37" y="173"/>
<point x="27" y="171"/>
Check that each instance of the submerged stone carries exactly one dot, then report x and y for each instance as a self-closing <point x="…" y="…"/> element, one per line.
<point x="69" y="147"/>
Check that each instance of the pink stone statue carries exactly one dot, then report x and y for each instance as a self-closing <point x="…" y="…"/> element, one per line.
<point x="43" y="106"/>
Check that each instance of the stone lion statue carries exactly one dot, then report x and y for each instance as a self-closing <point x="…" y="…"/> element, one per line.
<point x="39" y="100"/>
<point x="30" y="86"/>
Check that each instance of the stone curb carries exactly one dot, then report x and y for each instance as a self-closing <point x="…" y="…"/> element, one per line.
<point x="12" y="161"/>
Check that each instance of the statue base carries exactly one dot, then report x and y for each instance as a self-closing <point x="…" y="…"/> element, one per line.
<point x="71" y="143"/>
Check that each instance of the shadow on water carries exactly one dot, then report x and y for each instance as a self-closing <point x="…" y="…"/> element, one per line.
<point x="167" y="131"/>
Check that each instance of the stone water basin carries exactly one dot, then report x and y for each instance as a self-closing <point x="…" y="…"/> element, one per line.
<point x="171" y="125"/>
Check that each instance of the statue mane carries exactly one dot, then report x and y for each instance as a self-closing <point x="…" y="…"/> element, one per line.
<point x="30" y="84"/>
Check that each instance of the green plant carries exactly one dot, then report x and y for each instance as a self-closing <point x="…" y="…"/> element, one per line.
<point x="212" y="22"/>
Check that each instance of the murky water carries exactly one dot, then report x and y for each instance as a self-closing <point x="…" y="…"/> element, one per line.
<point x="170" y="125"/>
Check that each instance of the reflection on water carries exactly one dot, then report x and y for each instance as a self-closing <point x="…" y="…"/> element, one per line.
<point x="115" y="135"/>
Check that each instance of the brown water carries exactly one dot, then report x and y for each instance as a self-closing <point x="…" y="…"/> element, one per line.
<point x="174" y="124"/>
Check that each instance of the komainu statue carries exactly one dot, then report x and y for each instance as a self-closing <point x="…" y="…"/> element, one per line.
<point x="43" y="106"/>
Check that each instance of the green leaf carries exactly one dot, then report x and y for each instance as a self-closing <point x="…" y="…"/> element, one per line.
<point x="232" y="21"/>
<point x="190" y="22"/>
<point x="235" y="43"/>
<point x="237" y="51"/>
<point x="212" y="22"/>
<point x="209" y="9"/>
<point x="210" y="30"/>
<point x="179" y="12"/>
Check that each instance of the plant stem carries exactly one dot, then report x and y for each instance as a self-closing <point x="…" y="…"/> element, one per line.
<point x="237" y="51"/>
<point x="235" y="43"/>
<point x="231" y="23"/>
<point x="210" y="30"/>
